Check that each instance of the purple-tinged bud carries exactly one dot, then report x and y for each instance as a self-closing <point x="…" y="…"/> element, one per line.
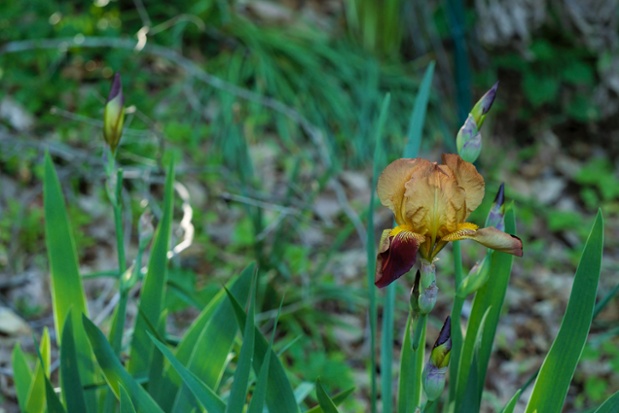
<point x="496" y="216"/>
<point x="114" y="114"/>
<point x="482" y="107"/>
<point x="436" y="367"/>
<point x="427" y="298"/>
<point x="468" y="140"/>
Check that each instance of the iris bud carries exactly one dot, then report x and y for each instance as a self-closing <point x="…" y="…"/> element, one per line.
<point x="436" y="367"/>
<point x="496" y="216"/>
<point x="114" y="114"/>
<point x="468" y="140"/>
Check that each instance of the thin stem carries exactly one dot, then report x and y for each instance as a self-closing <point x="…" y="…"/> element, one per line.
<point x="420" y="330"/>
<point x="456" y="331"/>
<point x="118" y="323"/>
<point x="457" y="263"/>
<point x="118" y="223"/>
<point x="387" y="348"/>
<point x="373" y="320"/>
<point x="419" y="360"/>
<point x="411" y="366"/>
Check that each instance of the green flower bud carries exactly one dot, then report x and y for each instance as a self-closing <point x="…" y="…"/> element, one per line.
<point x="114" y="114"/>
<point x="428" y="291"/>
<point x="436" y="367"/>
<point x="476" y="278"/>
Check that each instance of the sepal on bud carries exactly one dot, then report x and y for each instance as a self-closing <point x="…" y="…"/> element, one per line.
<point x="483" y="105"/>
<point x="428" y="291"/>
<point x="476" y="278"/>
<point x="496" y="216"/>
<point x="468" y="140"/>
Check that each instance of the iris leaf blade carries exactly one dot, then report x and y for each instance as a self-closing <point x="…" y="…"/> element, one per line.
<point x="204" y="394"/>
<point x="153" y="288"/>
<point x="326" y="404"/>
<point x="114" y="372"/>
<point x="560" y="363"/>
<point x="279" y="394"/>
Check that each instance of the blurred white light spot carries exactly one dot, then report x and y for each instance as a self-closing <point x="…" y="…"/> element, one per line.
<point x="55" y="18"/>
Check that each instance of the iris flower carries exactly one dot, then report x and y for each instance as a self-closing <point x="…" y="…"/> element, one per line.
<point x="431" y="203"/>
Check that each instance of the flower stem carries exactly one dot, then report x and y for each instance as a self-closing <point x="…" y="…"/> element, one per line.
<point x="419" y="359"/>
<point x="419" y="334"/>
<point x="456" y="332"/>
<point x="118" y="323"/>
<point x="386" y="350"/>
<point x="118" y="222"/>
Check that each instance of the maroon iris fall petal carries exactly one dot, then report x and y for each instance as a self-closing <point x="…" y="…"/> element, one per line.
<point x="396" y="256"/>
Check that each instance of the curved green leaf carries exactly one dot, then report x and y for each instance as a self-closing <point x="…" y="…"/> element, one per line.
<point x="22" y="375"/>
<point x="511" y="405"/>
<point x="153" y="288"/>
<point x="114" y="373"/>
<point x="560" y="363"/>
<point x="326" y="404"/>
<point x="279" y="394"/>
<point x="238" y="391"/>
<point x="217" y="335"/>
<point x="72" y="393"/>
<point x="487" y="303"/>
<point x="52" y="402"/>
<point x="411" y="366"/>
<point x="204" y="394"/>
<point x="36" y="394"/>
<point x="611" y="405"/>
<point x="66" y="283"/>
<point x="337" y="399"/>
<point x="418" y="116"/>
<point x="256" y="405"/>
<point x="126" y="406"/>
